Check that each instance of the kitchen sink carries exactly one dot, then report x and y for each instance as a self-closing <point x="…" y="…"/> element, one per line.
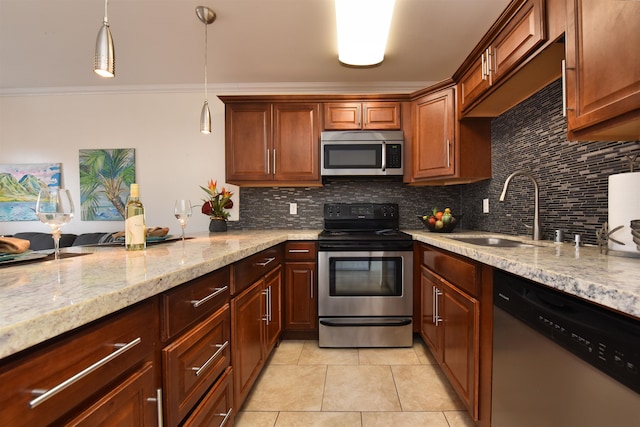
<point x="497" y="242"/>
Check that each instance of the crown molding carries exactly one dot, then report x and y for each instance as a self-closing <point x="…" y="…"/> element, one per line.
<point x="229" y="89"/>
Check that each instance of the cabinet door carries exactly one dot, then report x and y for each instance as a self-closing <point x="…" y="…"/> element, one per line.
<point x="431" y="293"/>
<point x="525" y="32"/>
<point x="247" y="311"/>
<point x="603" y="67"/>
<point x="132" y="403"/>
<point x="273" y="305"/>
<point x="381" y="115"/>
<point x="434" y="146"/>
<point x="300" y="296"/>
<point x="342" y="115"/>
<point x="248" y="142"/>
<point x="295" y="155"/>
<point x="474" y="83"/>
<point x="460" y="353"/>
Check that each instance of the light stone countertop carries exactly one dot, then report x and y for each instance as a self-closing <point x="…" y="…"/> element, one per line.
<point x="41" y="300"/>
<point x="611" y="281"/>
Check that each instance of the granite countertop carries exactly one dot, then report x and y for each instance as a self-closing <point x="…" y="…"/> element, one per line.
<point x="44" y="299"/>
<point x="611" y="281"/>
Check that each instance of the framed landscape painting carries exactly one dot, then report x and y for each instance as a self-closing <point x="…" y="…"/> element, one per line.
<point x="105" y="178"/>
<point x="19" y="187"/>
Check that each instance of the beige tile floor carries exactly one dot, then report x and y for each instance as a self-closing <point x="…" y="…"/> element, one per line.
<point x="304" y="385"/>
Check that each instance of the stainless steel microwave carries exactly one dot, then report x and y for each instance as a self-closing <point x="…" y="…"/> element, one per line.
<point x="361" y="153"/>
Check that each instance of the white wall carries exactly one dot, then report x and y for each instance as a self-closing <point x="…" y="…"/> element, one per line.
<point x="172" y="157"/>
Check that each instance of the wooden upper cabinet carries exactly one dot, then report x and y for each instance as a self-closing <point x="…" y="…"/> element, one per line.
<point x="603" y="70"/>
<point x="522" y="31"/>
<point x="445" y="150"/>
<point x="296" y="142"/>
<point x="272" y="143"/>
<point x="434" y="148"/>
<point x="362" y="115"/>
<point x="248" y="141"/>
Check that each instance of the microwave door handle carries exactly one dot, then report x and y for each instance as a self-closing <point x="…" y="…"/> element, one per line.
<point x="384" y="156"/>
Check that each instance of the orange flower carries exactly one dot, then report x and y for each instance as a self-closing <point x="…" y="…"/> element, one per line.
<point x="216" y="203"/>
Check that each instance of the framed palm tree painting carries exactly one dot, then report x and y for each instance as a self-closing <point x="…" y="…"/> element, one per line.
<point x="105" y="178"/>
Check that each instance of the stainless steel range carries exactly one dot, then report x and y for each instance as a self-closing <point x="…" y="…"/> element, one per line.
<point x="365" y="277"/>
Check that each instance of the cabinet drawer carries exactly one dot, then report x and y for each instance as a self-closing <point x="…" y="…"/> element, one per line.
<point x="193" y="362"/>
<point x="300" y="251"/>
<point x="132" y="403"/>
<point x="216" y="409"/>
<point x="191" y="302"/>
<point x="248" y="270"/>
<point x="70" y="370"/>
<point x="464" y="273"/>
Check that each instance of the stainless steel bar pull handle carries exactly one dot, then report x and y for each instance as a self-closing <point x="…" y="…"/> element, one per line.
<point x="266" y="261"/>
<point x="268" y="161"/>
<point x="311" y="286"/>
<point x="226" y="417"/>
<point x="217" y="291"/>
<point x="45" y="395"/>
<point x="438" y="319"/>
<point x="221" y="347"/>
<point x="564" y="88"/>
<point x="448" y="153"/>
<point x="274" y="161"/>
<point x="266" y="305"/>
<point x="484" y="67"/>
<point x="158" y="400"/>
<point x="298" y="251"/>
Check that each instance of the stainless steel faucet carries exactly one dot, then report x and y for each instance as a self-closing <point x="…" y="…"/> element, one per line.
<point x="536" y="207"/>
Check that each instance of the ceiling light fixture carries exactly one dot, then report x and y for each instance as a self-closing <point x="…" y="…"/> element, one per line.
<point x="363" y="28"/>
<point x="207" y="16"/>
<point x="104" y="61"/>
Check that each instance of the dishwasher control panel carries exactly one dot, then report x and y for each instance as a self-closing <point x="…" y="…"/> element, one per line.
<point x="608" y="340"/>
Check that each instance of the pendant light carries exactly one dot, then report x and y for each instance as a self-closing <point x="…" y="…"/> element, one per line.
<point x="104" y="59"/>
<point x="207" y="16"/>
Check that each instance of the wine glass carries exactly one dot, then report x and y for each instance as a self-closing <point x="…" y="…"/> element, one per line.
<point x="183" y="213"/>
<point x="54" y="208"/>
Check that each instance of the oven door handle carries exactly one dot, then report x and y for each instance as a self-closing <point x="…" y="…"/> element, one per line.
<point x="351" y="322"/>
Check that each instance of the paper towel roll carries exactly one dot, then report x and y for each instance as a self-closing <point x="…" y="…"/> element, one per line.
<point x="624" y="206"/>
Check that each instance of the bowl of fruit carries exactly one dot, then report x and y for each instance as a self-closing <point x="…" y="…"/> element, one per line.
<point x="440" y="221"/>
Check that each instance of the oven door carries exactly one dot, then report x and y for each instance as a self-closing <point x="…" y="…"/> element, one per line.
<point x="365" y="283"/>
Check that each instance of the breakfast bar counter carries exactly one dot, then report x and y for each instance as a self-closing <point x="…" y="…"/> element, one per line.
<point x="41" y="300"/>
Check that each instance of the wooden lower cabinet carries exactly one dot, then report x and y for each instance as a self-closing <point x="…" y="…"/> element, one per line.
<point x="300" y="294"/>
<point x="450" y="327"/>
<point x="256" y="325"/>
<point x="103" y="371"/>
<point x="456" y="323"/>
<point x="192" y="363"/>
<point x="129" y="404"/>
<point x="216" y="408"/>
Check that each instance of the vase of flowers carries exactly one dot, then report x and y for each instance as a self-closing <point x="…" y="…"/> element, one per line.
<point x="215" y="206"/>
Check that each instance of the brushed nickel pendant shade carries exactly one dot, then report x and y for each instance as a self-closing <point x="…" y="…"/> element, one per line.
<point x="207" y="16"/>
<point x="104" y="62"/>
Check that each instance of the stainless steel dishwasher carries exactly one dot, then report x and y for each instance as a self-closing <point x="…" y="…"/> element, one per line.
<point x="561" y="362"/>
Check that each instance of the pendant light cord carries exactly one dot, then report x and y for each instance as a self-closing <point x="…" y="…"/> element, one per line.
<point x="106" y="17"/>
<point x="206" y="96"/>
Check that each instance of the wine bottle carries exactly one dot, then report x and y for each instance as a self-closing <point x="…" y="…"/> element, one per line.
<point x="135" y="233"/>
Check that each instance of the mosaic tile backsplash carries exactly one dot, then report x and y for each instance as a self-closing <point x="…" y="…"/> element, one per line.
<point x="572" y="179"/>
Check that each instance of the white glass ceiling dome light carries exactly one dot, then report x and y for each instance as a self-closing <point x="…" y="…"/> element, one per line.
<point x="363" y="28"/>
<point x="207" y="16"/>
<point x="104" y="61"/>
